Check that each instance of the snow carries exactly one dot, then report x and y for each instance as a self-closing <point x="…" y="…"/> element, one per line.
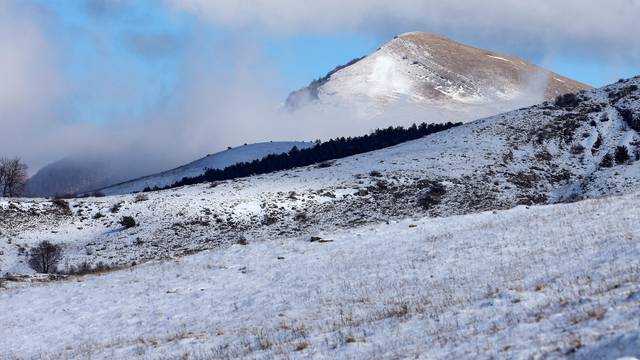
<point x="493" y="163"/>
<point x="398" y="280"/>
<point x="524" y="283"/>
<point x="246" y="153"/>
<point x="439" y="76"/>
<point x="500" y="58"/>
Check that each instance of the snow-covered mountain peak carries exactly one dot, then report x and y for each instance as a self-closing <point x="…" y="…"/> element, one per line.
<point x="439" y="73"/>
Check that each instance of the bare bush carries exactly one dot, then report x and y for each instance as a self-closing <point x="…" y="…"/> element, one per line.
<point x="141" y="198"/>
<point x="567" y="100"/>
<point x="577" y="149"/>
<point x="45" y="257"/>
<point x="622" y="155"/>
<point x="607" y="161"/>
<point x="116" y="207"/>
<point x="86" y="268"/>
<point x="128" y="222"/>
<point x="63" y="205"/>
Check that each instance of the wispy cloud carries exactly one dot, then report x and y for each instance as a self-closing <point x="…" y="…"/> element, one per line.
<point x="30" y="85"/>
<point x="605" y="28"/>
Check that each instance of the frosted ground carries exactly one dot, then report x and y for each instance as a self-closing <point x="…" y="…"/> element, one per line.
<point x="411" y="264"/>
<point x="531" y="282"/>
<point x="528" y="156"/>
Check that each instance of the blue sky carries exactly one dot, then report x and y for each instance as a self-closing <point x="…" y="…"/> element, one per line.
<point x="111" y="52"/>
<point x="123" y="58"/>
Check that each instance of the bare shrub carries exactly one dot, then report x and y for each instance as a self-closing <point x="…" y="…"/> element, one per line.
<point x="622" y="155"/>
<point x="86" y="268"/>
<point x="62" y="204"/>
<point x="141" y="198"/>
<point x="116" y="207"/>
<point x="128" y="222"/>
<point x="430" y="194"/>
<point x="577" y="149"/>
<point x="45" y="257"/>
<point x="567" y="100"/>
<point x="607" y="161"/>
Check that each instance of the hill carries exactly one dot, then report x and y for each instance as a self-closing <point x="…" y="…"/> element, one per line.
<point x="461" y="236"/>
<point x="540" y="155"/>
<point x="431" y="288"/>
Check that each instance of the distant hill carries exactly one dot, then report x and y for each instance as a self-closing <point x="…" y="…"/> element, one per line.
<point x="219" y="160"/>
<point x="80" y="173"/>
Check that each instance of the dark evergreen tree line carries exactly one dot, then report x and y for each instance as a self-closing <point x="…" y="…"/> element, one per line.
<point x="321" y="152"/>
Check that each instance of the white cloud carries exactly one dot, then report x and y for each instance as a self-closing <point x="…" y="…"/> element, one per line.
<point x="29" y="82"/>
<point x="584" y="25"/>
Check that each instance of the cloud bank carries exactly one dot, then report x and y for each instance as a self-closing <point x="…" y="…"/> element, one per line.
<point x="607" y="28"/>
<point x="30" y="83"/>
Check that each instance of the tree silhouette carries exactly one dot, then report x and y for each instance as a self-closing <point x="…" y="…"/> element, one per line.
<point x="45" y="257"/>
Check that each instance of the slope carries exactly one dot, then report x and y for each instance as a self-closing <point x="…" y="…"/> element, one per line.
<point x="540" y="155"/>
<point x="531" y="282"/>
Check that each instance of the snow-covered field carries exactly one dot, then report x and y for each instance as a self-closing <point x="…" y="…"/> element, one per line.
<point x="539" y="155"/>
<point x="531" y="282"/>
<point x="411" y="264"/>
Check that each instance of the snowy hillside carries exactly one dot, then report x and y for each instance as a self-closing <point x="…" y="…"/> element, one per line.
<point x="458" y="82"/>
<point x="382" y="272"/>
<point x="540" y="155"/>
<point x="219" y="160"/>
<point x="540" y="282"/>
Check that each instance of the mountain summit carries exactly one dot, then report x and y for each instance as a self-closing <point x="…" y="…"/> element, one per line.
<point x="432" y="70"/>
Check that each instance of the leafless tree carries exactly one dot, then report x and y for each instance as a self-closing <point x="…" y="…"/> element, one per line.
<point x="45" y="257"/>
<point x="13" y="177"/>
